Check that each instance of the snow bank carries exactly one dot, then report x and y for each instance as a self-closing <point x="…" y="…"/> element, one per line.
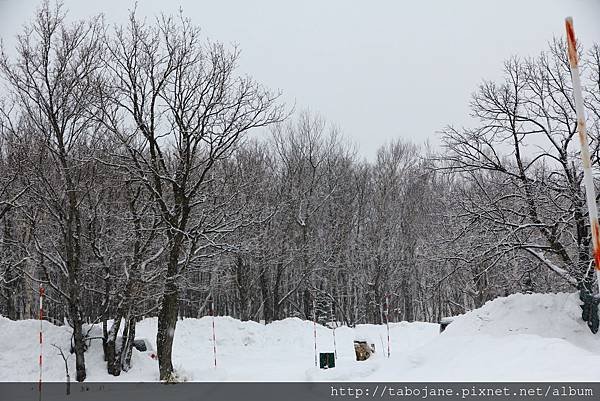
<point x="518" y="338"/>
<point x="20" y="349"/>
<point x="534" y="337"/>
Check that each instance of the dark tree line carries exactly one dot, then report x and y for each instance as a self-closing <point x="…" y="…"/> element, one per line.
<point x="131" y="186"/>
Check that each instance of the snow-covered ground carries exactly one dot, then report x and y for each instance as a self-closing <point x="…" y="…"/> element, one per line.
<point x="538" y="337"/>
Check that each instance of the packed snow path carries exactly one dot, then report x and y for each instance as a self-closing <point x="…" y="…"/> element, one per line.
<point x="538" y="337"/>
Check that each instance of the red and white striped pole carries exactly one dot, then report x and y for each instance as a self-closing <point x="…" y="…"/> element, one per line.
<point x="333" y="325"/>
<point x="387" y="321"/>
<point x="315" y="329"/>
<point x="214" y="337"/>
<point x="41" y="318"/>
<point x="588" y="178"/>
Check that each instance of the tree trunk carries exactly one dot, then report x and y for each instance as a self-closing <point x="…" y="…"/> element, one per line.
<point x="408" y="298"/>
<point x="127" y="345"/>
<point x="79" y="342"/>
<point x="167" y="320"/>
<point x="276" y="287"/>
<point x="9" y="279"/>
<point x="241" y="275"/>
<point x="307" y="304"/>
<point x="113" y="360"/>
<point x="105" y="338"/>
<point x="267" y="300"/>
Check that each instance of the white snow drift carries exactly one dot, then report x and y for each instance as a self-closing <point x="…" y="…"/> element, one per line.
<point x="538" y="337"/>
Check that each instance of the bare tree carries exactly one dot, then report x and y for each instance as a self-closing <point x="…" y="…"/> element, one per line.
<point x="180" y="110"/>
<point x="307" y="150"/>
<point x="54" y="81"/>
<point x="522" y="164"/>
<point x="13" y="191"/>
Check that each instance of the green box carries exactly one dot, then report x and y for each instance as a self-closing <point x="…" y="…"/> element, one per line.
<point x="326" y="360"/>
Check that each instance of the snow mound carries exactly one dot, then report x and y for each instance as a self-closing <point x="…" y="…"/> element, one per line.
<point x="550" y="316"/>
<point x="534" y="337"/>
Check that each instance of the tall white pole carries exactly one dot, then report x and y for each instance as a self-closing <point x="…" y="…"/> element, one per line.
<point x="333" y="326"/>
<point x="315" y="329"/>
<point x="41" y="318"/>
<point x="588" y="178"/>
<point x="387" y="322"/>
<point x="214" y="336"/>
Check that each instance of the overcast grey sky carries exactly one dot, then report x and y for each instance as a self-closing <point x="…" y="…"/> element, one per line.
<point x="377" y="69"/>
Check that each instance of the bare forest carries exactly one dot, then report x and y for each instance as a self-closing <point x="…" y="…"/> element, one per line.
<point x="143" y="174"/>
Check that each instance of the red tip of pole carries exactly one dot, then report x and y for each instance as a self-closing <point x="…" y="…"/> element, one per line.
<point x="596" y="245"/>
<point x="571" y="42"/>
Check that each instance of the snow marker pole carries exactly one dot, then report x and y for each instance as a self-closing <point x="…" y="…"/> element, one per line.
<point x="315" y="329"/>
<point x="588" y="178"/>
<point x="41" y="318"/>
<point x="333" y="325"/>
<point x="387" y="322"/>
<point x="214" y="337"/>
